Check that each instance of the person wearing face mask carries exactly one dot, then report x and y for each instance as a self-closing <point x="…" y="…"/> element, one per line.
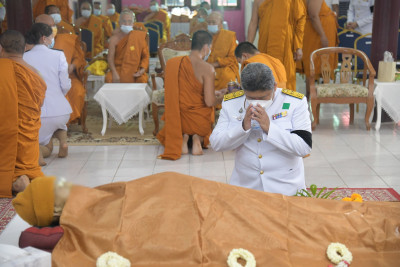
<point x="128" y="53"/>
<point x="207" y="7"/>
<point x="189" y="100"/>
<point x="22" y="93"/>
<point x="106" y="23"/>
<point x="222" y="56"/>
<point x="53" y="67"/>
<point x="94" y="24"/>
<point x="65" y="11"/>
<point x="199" y="21"/>
<point x="71" y="46"/>
<point x="161" y="15"/>
<point x="247" y="53"/>
<point x="113" y="15"/>
<point x="62" y="25"/>
<point x="270" y="130"/>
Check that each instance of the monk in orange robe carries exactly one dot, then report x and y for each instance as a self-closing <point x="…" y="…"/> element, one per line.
<point x="281" y="29"/>
<point x="62" y="26"/>
<point x="162" y="16"/>
<point x="189" y="100"/>
<point x="113" y="16"/>
<point x="63" y="5"/>
<point x="107" y="26"/>
<point x="95" y="25"/>
<point x="71" y="45"/>
<point x="222" y="55"/>
<point x="320" y="31"/>
<point x="22" y="93"/>
<point x="128" y="54"/>
<point x="247" y="53"/>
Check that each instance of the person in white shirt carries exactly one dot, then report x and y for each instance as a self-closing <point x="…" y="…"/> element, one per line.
<point x="333" y="5"/>
<point x="270" y="130"/>
<point x="360" y="16"/>
<point x="53" y="68"/>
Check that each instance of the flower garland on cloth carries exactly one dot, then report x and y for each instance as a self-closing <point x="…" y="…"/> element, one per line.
<point x="112" y="259"/>
<point x="354" y="197"/>
<point x="339" y="254"/>
<point x="243" y="254"/>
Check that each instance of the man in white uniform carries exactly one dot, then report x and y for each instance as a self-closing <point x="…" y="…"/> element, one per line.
<point x="269" y="128"/>
<point x="360" y="16"/>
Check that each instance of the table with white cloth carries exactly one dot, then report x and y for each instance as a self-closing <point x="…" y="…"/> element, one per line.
<point x="387" y="95"/>
<point x="178" y="28"/>
<point x="122" y="101"/>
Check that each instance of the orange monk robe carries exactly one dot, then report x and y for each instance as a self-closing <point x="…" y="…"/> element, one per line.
<point x="65" y="12"/>
<point x="281" y="30"/>
<point x="185" y="108"/>
<point x="22" y="94"/>
<point x="312" y="40"/>
<point x="139" y="26"/>
<point x="131" y="54"/>
<point x="223" y="51"/>
<point x="115" y="19"/>
<point x="64" y="27"/>
<point x="276" y="66"/>
<point x="95" y="24"/>
<point x="70" y="44"/>
<point x="107" y="27"/>
<point x="162" y="16"/>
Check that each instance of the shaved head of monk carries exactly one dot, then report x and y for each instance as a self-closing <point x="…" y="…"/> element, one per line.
<point x="86" y="6"/>
<point x="12" y="43"/>
<point x="45" y="19"/>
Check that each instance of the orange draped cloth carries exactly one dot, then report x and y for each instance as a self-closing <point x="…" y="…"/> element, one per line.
<point x="107" y="26"/>
<point x="22" y="94"/>
<point x="172" y="219"/>
<point x="281" y="29"/>
<point x="70" y="44"/>
<point x="276" y="66"/>
<point x="223" y="51"/>
<point x="65" y="26"/>
<point x="131" y="54"/>
<point x="115" y="18"/>
<point x="312" y="40"/>
<point x="162" y="16"/>
<point x="95" y="24"/>
<point x="139" y="26"/>
<point x="185" y="108"/>
<point x="65" y="11"/>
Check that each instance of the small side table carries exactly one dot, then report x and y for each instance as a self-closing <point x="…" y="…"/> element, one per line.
<point x="387" y="95"/>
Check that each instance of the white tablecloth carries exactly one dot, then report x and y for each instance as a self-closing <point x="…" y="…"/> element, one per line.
<point x="178" y="28"/>
<point x="123" y="100"/>
<point x="389" y="96"/>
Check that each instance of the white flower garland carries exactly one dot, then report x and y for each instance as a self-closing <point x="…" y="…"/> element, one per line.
<point x="112" y="259"/>
<point x="338" y="252"/>
<point x="243" y="254"/>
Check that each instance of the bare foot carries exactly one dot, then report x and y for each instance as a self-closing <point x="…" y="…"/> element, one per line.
<point x="41" y="160"/>
<point x="185" y="148"/>
<point x="20" y="184"/>
<point x="196" y="147"/>
<point x="49" y="146"/>
<point x="63" y="151"/>
<point x="61" y="135"/>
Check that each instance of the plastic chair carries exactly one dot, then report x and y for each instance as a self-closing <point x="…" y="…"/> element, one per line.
<point x="113" y="24"/>
<point x="154" y="37"/>
<point x="160" y="27"/>
<point x="87" y="36"/>
<point x="362" y="43"/>
<point x="342" y="21"/>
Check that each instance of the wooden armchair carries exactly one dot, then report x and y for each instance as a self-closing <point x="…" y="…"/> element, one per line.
<point x="344" y="92"/>
<point x="180" y="46"/>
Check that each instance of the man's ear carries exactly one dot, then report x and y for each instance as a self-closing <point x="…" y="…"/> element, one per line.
<point x="275" y="86"/>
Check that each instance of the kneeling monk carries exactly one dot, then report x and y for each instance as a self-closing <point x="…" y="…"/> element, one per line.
<point x="189" y="100"/>
<point x="128" y="53"/>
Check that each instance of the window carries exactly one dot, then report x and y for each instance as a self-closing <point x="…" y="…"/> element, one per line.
<point x="172" y="3"/>
<point x="215" y="4"/>
<point x="228" y="3"/>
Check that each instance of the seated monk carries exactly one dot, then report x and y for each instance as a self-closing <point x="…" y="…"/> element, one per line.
<point x="198" y="22"/>
<point x="71" y="45"/>
<point x="94" y="24"/>
<point x="113" y="15"/>
<point x="63" y="5"/>
<point x="62" y="25"/>
<point x="222" y="55"/>
<point x="247" y="53"/>
<point x="189" y="100"/>
<point x="107" y="26"/>
<point x="22" y="93"/>
<point x="172" y="219"/>
<point x="128" y="53"/>
<point x="161" y="15"/>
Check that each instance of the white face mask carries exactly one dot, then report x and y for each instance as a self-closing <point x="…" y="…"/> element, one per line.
<point x="212" y="28"/>
<point x="209" y="11"/>
<point x="206" y="57"/>
<point x="56" y="18"/>
<point x="2" y="13"/>
<point x="111" y="11"/>
<point x="154" y="8"/>
<point x="265" y="104"/>
<point x="97" y="12"/>
<point x="86" y="13"/>
<point x="126" y="28"/>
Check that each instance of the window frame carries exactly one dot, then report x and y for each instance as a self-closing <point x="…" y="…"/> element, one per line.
<point x="214" y="5"/>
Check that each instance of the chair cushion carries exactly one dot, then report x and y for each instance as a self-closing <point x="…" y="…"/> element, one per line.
<point x="341" y="90"/>
<point x="158" y="97"/>
<point x="45" y="238"/>
<point x="170" y="53"/>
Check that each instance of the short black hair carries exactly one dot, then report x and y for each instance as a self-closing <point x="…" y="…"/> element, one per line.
<point x="204" y="3"/>
<point x="245" y="47"/>
<point x="37" y="31"/>
<point x="47" y="8"/>
<point x="201" y="38"/>
<point x="13" y="42"/>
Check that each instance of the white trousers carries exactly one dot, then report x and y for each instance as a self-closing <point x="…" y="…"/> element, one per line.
<point x="50" y="125"/>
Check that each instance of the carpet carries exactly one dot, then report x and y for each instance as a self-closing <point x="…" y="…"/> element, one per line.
<point x="368" y="194"/>
<point x="124" y="134"/>
<point x="7" y="212"/>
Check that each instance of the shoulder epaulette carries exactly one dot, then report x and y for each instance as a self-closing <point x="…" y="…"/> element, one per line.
<point x="233" y="95"/>
<point x="292" y="93"/>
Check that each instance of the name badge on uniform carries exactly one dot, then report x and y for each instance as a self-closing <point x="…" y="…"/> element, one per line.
<point x="279" y="115"/>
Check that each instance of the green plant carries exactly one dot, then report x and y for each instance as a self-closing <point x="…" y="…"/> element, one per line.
<point x="315" y="193"/>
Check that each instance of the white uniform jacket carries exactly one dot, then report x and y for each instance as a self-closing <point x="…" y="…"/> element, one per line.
<point x="267" y="162"/>
<point x="53" y="68"/>
<point x="360" y="12"/>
